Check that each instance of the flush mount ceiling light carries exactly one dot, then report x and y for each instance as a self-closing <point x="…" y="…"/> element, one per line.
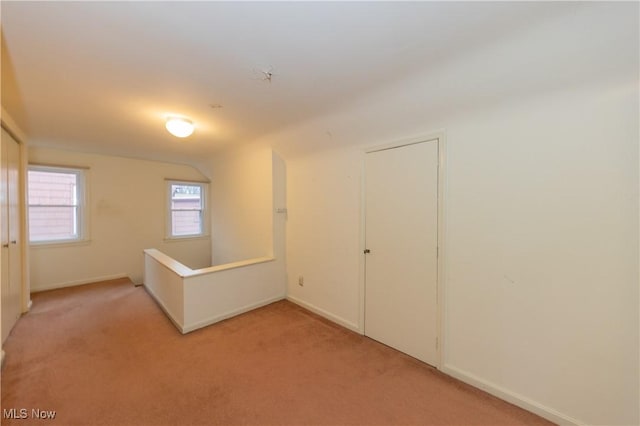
<point x="179" y="127"/>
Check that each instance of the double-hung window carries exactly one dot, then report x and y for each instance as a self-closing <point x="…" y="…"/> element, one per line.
<point x="186" y="209"/>
<point x="56" y="204"/>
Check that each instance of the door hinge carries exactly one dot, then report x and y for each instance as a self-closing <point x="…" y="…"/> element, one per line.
<point x="367" y="251"/>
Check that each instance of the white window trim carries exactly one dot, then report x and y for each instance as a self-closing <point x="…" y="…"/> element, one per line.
<point x="204" y="193"/>
<point x="82" y="212"/>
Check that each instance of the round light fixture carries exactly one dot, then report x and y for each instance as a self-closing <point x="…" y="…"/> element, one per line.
<point x="179" y="127"/>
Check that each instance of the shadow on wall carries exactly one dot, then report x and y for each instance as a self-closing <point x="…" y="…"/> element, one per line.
<point x="247" y="192"/>
<point x="11" y="96"/>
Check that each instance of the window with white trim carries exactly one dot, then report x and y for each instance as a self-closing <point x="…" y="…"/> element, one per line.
<point x="56" y="204"/>
<point x="186" y="209"/>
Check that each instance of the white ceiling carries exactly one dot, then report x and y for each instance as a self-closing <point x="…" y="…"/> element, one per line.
<point x="102" y="76"/>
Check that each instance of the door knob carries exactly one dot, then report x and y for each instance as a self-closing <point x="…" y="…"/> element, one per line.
<point x="5" y="245"/>
<point x="367" y="251"/>
<point x="13" y="242"/>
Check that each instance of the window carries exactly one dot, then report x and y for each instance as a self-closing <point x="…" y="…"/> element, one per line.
<point x="187" y="207"/>
<point x="56" y="204"/>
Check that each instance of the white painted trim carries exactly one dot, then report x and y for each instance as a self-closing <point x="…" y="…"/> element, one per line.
<point x="164" y="308"/>
<point x="186" y="239"/>
<point x="29" y="306"/>
<point x="9" y="124"/>
<point x="81" y="190"/>
<point x="79" y="282"/>
<point x="362" y="274"/>
<point x="511" y="397"/>
<point x="404" y="142"/>
<point x="185" y="272"/>
<point x="440" y="138"/>
<point x="204" y="198"/>
<point x="169" y="262"/>
<point x="331" y="317"/>
<point x="37" y="245"/>
<point x="12" y="127"/>
<point x="209" y="321"/>
<point x="442" y="218"/>
<point x="232" y="265"/>
<point x="187" y="180"/>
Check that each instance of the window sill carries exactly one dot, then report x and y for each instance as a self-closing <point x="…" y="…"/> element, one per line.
<point x="58" y="244"/>
<point x="184" y="239"/>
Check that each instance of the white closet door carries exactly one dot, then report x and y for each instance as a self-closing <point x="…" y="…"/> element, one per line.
<point x="401" y="223"/>
<point x="10" y="234"/>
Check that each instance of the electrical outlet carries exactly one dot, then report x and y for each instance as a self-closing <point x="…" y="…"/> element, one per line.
<point x="301" y="281"/>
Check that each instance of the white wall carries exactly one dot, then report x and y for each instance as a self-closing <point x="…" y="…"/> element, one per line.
<point x="242" y="205"/>
<point x="541" y="294"/>
<point x="323" y="233"/>
<point x="541" y="244"/>
<point x="126" y="215"/>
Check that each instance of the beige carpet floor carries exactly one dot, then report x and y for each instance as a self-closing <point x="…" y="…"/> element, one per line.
<point x="105" y="354"/>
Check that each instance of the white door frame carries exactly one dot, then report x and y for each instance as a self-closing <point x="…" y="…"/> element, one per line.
<point x="10" y="126"/>
<point x="440" y="138"/>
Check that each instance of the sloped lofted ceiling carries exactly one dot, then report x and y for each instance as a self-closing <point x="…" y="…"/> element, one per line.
<point x="102" y="76"/>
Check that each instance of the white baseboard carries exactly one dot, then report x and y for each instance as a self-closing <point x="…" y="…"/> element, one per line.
<point x="78" y="282"/>
<point x="331" y="317"/>
<point x="29" y="305"/>
<point x="509" y="396"/>
<point x="217" y="318"/>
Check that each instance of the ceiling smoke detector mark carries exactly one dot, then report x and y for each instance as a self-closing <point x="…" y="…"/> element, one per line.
<point x="264" y="74"/>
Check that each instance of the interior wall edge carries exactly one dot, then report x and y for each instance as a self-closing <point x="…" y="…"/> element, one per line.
<point x="326" y="314"/>
<point x="187" y="328"/>
<point x="509" y="396"/>
<point x="164" y="308"/>
<point x="81" y="282"/>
